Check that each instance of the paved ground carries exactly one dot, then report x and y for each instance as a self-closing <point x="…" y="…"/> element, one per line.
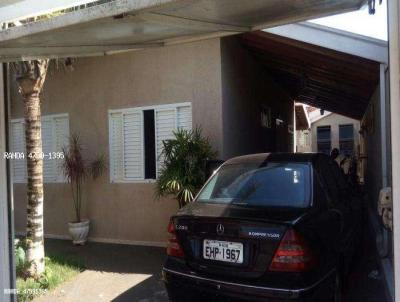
<point x="365" y="281"/>
<point x="121" y="273"/>
<point x="113" y="273"/>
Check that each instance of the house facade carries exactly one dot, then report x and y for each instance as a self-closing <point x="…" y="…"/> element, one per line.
<point x="327" y="131"/>
<point x="331" y="130"/>
<point x="303" y="140"/>
<point x="118" y="104"/>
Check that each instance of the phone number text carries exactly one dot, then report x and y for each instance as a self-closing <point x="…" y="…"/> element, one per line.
<point x="22" y="155"/>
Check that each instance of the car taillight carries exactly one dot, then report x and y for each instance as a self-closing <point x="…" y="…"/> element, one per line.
<point x="292" y="255"/>
<point x="174" y="249"/>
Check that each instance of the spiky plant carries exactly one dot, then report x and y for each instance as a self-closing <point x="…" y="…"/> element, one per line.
<point x="76" y="170"/>
<point x="183" y="168"/>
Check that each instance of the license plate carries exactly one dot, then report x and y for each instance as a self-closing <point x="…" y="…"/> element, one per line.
<point x="223" y="251"/>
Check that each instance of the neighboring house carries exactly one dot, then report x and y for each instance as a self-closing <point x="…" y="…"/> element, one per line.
<point x="303" y="141"/>
<point x="330" y="130"/>
<point x="327" y="131"/>
<point x="124" y="106"/>
<point x="303" y="134"/>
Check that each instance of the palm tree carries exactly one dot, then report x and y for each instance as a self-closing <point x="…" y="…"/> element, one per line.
<point x="30" y="78"/>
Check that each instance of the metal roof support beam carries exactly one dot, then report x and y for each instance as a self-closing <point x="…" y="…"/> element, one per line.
<point x="73" y="51"/>
<point x="5" y="249"/>
<point x="190" y="23"/>
<point x="194" y="38"/>
<point x="394" y="55"/>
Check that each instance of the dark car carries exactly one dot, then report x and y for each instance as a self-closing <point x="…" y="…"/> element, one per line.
<point x="266" y="227"/>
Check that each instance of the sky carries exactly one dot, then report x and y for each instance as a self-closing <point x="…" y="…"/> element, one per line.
<point x="360" y="22"/>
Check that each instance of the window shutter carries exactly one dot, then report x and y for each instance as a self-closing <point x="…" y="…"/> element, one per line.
<point x="61" y="131"/>
<point x="165" y="125"/>
<point x="184" y="117"/>
<point x="127" y="138"/>
<point x="18" y="145"/>
<point x="116" y="146"/>
<point x="133" y="149"/>
<point x="55" y="132"/>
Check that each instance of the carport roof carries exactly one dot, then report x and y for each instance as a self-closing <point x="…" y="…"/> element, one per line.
<point x="123" y="25"/>
<point x="317" y="76"/>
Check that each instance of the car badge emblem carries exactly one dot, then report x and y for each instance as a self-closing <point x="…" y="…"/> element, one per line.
<point x="220" y="229"/>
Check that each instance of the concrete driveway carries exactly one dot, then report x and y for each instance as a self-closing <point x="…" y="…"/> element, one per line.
<point x="113" y="272"/>
<point x="122" y="273"/>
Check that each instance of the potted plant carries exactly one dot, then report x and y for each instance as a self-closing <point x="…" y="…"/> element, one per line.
<point x="183" y="170"/>
<point x="76" y="171"/>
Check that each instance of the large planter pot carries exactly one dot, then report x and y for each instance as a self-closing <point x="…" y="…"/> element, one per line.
<point x="79" y="231"/>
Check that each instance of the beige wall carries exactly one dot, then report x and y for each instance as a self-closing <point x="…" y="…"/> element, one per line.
<point x="125" y="212"/>
<point x="372" y="136"/>
<point x="303" y="141"/>
<point x="246" y="87"/>
<point x="334" y="120"/>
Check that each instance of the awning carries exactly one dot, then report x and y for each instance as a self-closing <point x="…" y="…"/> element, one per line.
<point x="335" y="39"/>
<point x="123" y="25"/>
<point x="317" y="76"/>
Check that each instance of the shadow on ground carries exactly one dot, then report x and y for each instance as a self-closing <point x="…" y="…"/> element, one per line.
<point x="113" y="272"/>
<point x="115" y="258"/>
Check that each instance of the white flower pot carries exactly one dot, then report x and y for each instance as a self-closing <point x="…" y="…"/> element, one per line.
<point x="79" y="231"/>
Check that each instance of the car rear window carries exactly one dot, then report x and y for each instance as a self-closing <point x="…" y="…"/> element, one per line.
<point x="254" y="185"/>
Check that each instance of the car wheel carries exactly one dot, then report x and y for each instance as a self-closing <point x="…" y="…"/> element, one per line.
<point x="338" y="288"/>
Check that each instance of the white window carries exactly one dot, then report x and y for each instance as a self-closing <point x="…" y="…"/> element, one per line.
<point x="136" y="139"/>
<point x="55" y="134"/>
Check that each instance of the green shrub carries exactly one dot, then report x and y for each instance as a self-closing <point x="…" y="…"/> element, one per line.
<point x="183" y="169"/>
<point x="21" y="264"/>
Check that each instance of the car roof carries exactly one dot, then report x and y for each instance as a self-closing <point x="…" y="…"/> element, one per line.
<point x="260" y="158"/>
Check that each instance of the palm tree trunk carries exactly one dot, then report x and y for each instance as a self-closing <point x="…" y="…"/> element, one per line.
<point x="30" y="77"/>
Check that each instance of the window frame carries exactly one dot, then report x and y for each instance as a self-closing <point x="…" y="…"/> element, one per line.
<point x="346" y="140"/>
<point x="323" y="141"/>
<point x="141" y="109"/>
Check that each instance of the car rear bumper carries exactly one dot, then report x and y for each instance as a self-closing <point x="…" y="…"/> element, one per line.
<point x="322" y="290"/>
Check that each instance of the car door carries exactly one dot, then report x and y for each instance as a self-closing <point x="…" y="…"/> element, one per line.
<point x="350" y="207"/>
<point x="332" y="217"/>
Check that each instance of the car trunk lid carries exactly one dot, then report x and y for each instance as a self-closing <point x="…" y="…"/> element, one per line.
<point x="258" y="231"/>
